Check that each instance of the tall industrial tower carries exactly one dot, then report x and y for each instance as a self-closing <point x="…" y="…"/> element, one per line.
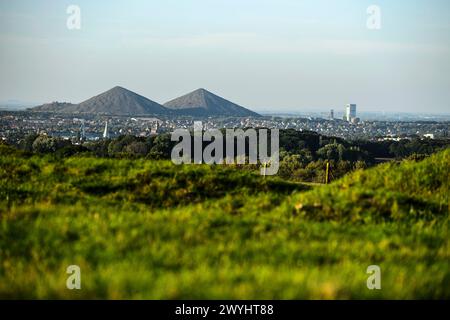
<point x="350" y="112"/>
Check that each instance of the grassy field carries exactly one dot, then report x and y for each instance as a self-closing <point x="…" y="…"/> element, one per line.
<point x="149" y="229"/>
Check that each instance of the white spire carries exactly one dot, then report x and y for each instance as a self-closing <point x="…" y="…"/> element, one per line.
<point x="106" y="132"/>
<point x="82" y="131"/>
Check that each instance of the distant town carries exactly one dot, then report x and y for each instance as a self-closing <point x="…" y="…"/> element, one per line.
<point x="120" y="111"/>
<point x="15" y="124"/>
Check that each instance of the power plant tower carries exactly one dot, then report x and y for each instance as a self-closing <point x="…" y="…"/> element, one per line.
<point x="106" y="132"/>
<point x="350" y="112"/>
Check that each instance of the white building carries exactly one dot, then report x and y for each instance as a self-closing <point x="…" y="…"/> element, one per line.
<point x="350" y="112"/>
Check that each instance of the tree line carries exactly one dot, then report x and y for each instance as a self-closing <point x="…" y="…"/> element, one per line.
<point x="303" y="154"/>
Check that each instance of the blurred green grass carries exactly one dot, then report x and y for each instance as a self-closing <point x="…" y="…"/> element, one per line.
<point x="151" y="230"/>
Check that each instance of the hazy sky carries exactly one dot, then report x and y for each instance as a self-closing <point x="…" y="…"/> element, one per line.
<point x="273" y="55"/>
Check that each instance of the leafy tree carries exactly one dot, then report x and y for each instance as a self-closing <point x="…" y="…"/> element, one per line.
<point x="306" y="156"/>
<point x="118" y="145"/>
<point x="161" y="148"/>
<point x="289" y="164"/>
<point x="137" y="148"/>
<point x="332" y="151"/>
<point x="360" y="165"/>
<point x="398" y="149"/>
<point x="354" y="153"/>
<point x="46" y="144"/>
<point x="69" y="150"/>
<point x="27" y="143"/>
<point x="99" y="148"/>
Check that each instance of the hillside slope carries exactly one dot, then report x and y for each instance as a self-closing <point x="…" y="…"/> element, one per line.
<point x="53" y="107"/>
<point x="116" y="101"/>
<point x="119" y="101"/>
<point x="406" y="190"/>
<point x="201" y="102"/>
<point x="151" y="230"/>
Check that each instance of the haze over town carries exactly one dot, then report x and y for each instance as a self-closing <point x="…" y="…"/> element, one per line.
<point x="282" y="56"/>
